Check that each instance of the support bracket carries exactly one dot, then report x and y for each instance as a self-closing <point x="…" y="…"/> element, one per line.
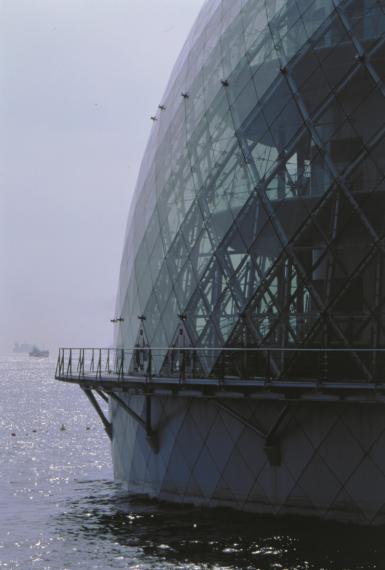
<point x="152" y="435"/>
<point x="272" y="443"/>
<point x="107" y="425"/>
<point x="240" y="418"/>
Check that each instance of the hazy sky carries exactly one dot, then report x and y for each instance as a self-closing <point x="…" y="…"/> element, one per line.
<point x="79" y="80"/>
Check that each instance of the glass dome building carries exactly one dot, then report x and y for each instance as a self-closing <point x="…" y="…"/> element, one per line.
<point x="258" y="221"/>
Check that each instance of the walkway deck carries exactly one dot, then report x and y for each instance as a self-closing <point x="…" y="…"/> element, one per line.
<point x="236" y="373"/>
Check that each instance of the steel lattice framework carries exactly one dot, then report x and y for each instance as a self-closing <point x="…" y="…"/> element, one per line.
<point x="258" y="218"/>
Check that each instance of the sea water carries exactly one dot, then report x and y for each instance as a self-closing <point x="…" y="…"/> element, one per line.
<point x="60" y="508"/>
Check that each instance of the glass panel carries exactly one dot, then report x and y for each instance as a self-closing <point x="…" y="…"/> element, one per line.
<point x="170" y="318"/>
<point x="365" y="177"/>
<point x="152" y="314"/>
<point x="185" y="285"/>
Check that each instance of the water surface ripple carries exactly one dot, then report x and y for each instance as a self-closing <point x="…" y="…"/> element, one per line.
<point x="60" y="509"/>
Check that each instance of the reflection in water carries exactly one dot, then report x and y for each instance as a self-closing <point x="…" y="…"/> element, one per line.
<point x="60" y="510"/>
<point x="186" y="537"/>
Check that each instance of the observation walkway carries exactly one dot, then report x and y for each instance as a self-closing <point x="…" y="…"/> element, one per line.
<point x="283" y="373"/>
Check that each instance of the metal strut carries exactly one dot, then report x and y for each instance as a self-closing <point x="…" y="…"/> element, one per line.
<point x="107" y="425"/>
<point x="240" y="418"/>
<point x="102" y="395"/>
<point x="272" y="444"/>
<point x="146" y="424"/>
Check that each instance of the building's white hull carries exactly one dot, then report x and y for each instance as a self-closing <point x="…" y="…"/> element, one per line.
<point x="332" y="456"/>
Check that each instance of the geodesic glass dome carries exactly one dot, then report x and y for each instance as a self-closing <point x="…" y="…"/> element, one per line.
<point x="259" y="212"/>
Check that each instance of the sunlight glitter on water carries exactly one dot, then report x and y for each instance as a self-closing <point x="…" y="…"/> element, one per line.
<point x="60" y="508"/>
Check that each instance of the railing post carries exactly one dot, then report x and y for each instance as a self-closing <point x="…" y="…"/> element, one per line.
<point x="172" y="360"/>
<point x="149" y="365"/>
<point x="193" y="363"/>
<point x="99" y="367"/>
<point x="107" y="367"/>
<point x="182" y="367"/>
<point x="223" y="367"/>
<point x="58" y="365"/>
<point x="69" y="365"/>
<point x="92" y="364"/>
<point x="80" y="366"/>
<point x="268" y="366"/>
<point x="122" y="363"/>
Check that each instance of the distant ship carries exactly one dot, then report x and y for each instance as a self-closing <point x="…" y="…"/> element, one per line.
<point x="39" y="353"/>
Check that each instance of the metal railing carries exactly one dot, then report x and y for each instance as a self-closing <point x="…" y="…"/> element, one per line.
<point x="355" y="365"/>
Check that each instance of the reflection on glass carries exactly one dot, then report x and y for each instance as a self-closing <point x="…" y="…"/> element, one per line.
<point x="255" y="196"/>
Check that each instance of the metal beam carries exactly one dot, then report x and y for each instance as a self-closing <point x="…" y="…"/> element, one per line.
<point x="102" y="394"/>
<point x="240" y="418"/>
<point x="274" y="428"/>
<point x="129" y="411"/>
<point x="272" y="444"/>
<point x="146" y="424"/>
<point x="107" y="425"/>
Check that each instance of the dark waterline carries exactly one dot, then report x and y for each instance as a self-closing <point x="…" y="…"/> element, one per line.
<point x="60" y="509"/>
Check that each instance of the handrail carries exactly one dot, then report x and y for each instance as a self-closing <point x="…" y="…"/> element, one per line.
<point x="192" y="363"/>
<point x="233" y="349"/>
